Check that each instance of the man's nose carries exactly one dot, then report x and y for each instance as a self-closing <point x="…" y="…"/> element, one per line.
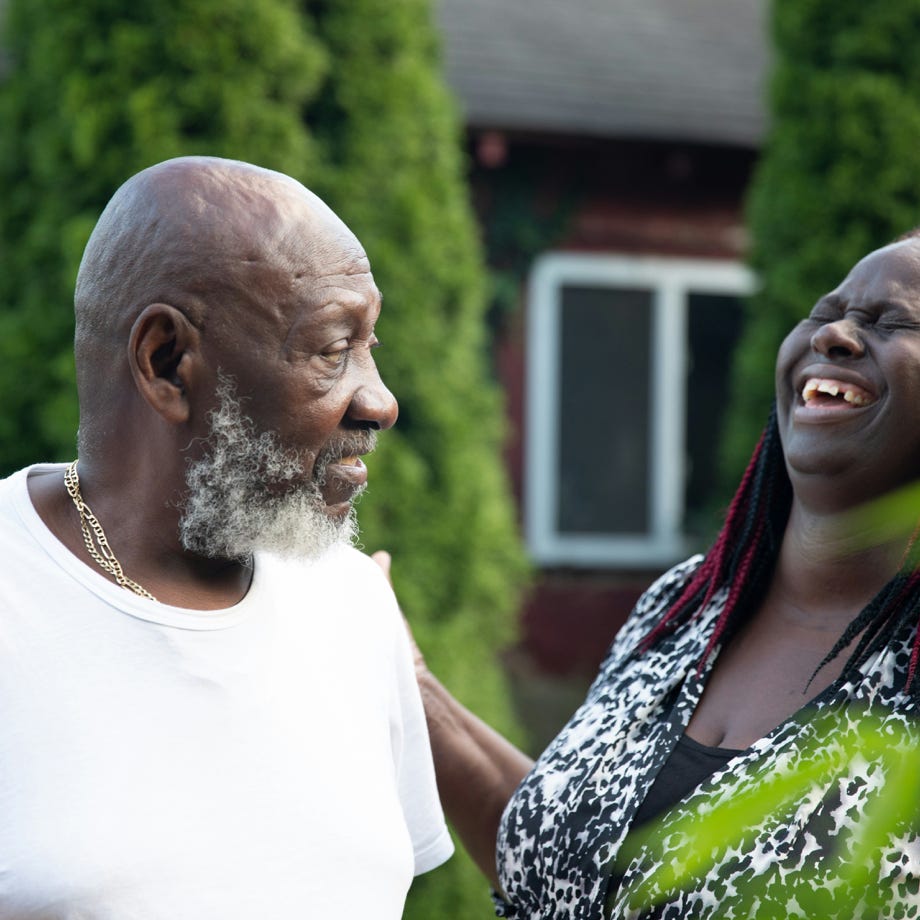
<point x="372" y="404"/>
<point x="840" y="339"/>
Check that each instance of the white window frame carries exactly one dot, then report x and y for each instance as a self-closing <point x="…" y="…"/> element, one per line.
<point x="669" y="279"/>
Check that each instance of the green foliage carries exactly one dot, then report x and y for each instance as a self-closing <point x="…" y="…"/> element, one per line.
<point x="390" y="138"/>
<point x="347" y="98"/>
<point x="842" y="883"/>
<point x="95" y="92"/>
<point x="518" y="227"/>
<point x="837" y="178"/>
<point x="892" y="518"/>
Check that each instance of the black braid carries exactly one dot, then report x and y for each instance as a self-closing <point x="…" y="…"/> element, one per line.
<point x="745" y="551"/>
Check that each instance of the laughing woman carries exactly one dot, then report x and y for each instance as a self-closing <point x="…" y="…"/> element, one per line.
<point x="726" y="662"/>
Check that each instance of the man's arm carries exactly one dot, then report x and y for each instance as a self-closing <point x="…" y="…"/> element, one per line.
<point x="477" y="769"/>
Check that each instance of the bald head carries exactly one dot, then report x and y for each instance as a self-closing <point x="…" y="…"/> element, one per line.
<point x="178" y="229"/>
<point x="201" y="234"/>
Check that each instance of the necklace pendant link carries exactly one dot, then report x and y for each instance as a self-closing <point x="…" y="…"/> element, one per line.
<point x="94" y="537"/>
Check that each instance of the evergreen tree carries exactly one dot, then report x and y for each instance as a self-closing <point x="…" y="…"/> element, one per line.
<point x="96" y="91"/>
<point x="389" y="135"/>
<point x="837" y="178"/>
<point x="347" y="98"/>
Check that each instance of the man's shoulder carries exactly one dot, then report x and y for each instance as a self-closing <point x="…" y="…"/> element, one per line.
<point x="26" y="544"/>
<point x="14" y="496"/>
<point x="342" y="595"/>
<point x="340" y="558"/>
<point x="11" y="480"/>
<point x="342" y="569"/>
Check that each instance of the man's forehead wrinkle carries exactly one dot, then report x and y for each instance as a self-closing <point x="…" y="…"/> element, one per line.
<point x="302" y="244"/>
<point x="229" y="199"/>
<point x="212" y="227"/>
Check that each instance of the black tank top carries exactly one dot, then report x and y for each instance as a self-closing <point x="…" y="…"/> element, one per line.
<point x="689" y="764"/>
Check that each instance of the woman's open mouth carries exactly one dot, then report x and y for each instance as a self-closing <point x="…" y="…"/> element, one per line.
<point x="830" y="393"/>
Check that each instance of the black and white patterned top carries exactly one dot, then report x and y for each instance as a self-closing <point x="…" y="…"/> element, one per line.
<point x="568" y="819"/>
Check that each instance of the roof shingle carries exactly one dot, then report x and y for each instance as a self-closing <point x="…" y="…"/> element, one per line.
<point x="689" y="70"/>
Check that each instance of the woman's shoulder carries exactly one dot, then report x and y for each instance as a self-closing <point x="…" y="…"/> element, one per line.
<point x="648" y="611"/>
<point x="656" y="600"/>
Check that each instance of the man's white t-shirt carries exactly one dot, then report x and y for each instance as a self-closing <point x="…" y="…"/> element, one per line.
<point x="269" y="761"/>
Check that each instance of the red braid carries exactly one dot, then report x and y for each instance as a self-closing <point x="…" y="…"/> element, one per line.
<point x="713" y="570"/>
<point x="909" y="585"/>
<point x="738" y="583"/>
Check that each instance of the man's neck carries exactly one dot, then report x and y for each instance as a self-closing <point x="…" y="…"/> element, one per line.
<point x="142" y="532"/>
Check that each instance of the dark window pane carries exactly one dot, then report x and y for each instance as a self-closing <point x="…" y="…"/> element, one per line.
<point x="604" y="410"/>
<point x="714" y="325"/>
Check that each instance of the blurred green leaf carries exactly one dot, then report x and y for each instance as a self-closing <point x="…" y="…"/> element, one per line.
<point x="694" y="838"/>
<point x="891" y="517"/>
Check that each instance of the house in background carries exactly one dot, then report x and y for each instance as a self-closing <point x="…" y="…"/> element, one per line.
<point x="611" y="143"/>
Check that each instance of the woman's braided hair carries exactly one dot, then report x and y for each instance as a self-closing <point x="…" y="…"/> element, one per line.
<point x="744" y="555"/>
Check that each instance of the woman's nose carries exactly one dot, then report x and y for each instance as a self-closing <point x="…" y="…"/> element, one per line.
<point x="840" y="339"/>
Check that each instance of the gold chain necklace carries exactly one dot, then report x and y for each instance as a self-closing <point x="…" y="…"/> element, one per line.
<point x="94" y="536"/>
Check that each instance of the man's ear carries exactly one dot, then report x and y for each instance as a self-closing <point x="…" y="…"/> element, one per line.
<point x="162" y="352"/>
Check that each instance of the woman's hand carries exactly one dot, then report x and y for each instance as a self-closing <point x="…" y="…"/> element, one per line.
<point x="384" y="560"/>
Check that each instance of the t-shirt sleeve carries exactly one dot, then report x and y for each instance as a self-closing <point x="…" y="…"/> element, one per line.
<point x="418" y="792"/>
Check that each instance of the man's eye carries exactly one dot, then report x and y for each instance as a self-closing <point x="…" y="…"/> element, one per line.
<point x="336" y="357"/>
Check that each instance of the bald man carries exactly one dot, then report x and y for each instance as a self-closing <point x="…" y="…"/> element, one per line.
<point x="207" y="700"/>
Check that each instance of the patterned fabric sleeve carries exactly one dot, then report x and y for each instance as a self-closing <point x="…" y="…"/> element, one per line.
<point x="649" y="609"/>
<point x="523" y="849"/>
<point x="503" y="908"/>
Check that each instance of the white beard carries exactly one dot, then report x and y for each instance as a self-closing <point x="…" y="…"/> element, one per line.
<point x="247" y="493"/>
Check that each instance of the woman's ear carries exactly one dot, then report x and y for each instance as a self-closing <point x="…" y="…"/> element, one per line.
<point x="162" y="352"/>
